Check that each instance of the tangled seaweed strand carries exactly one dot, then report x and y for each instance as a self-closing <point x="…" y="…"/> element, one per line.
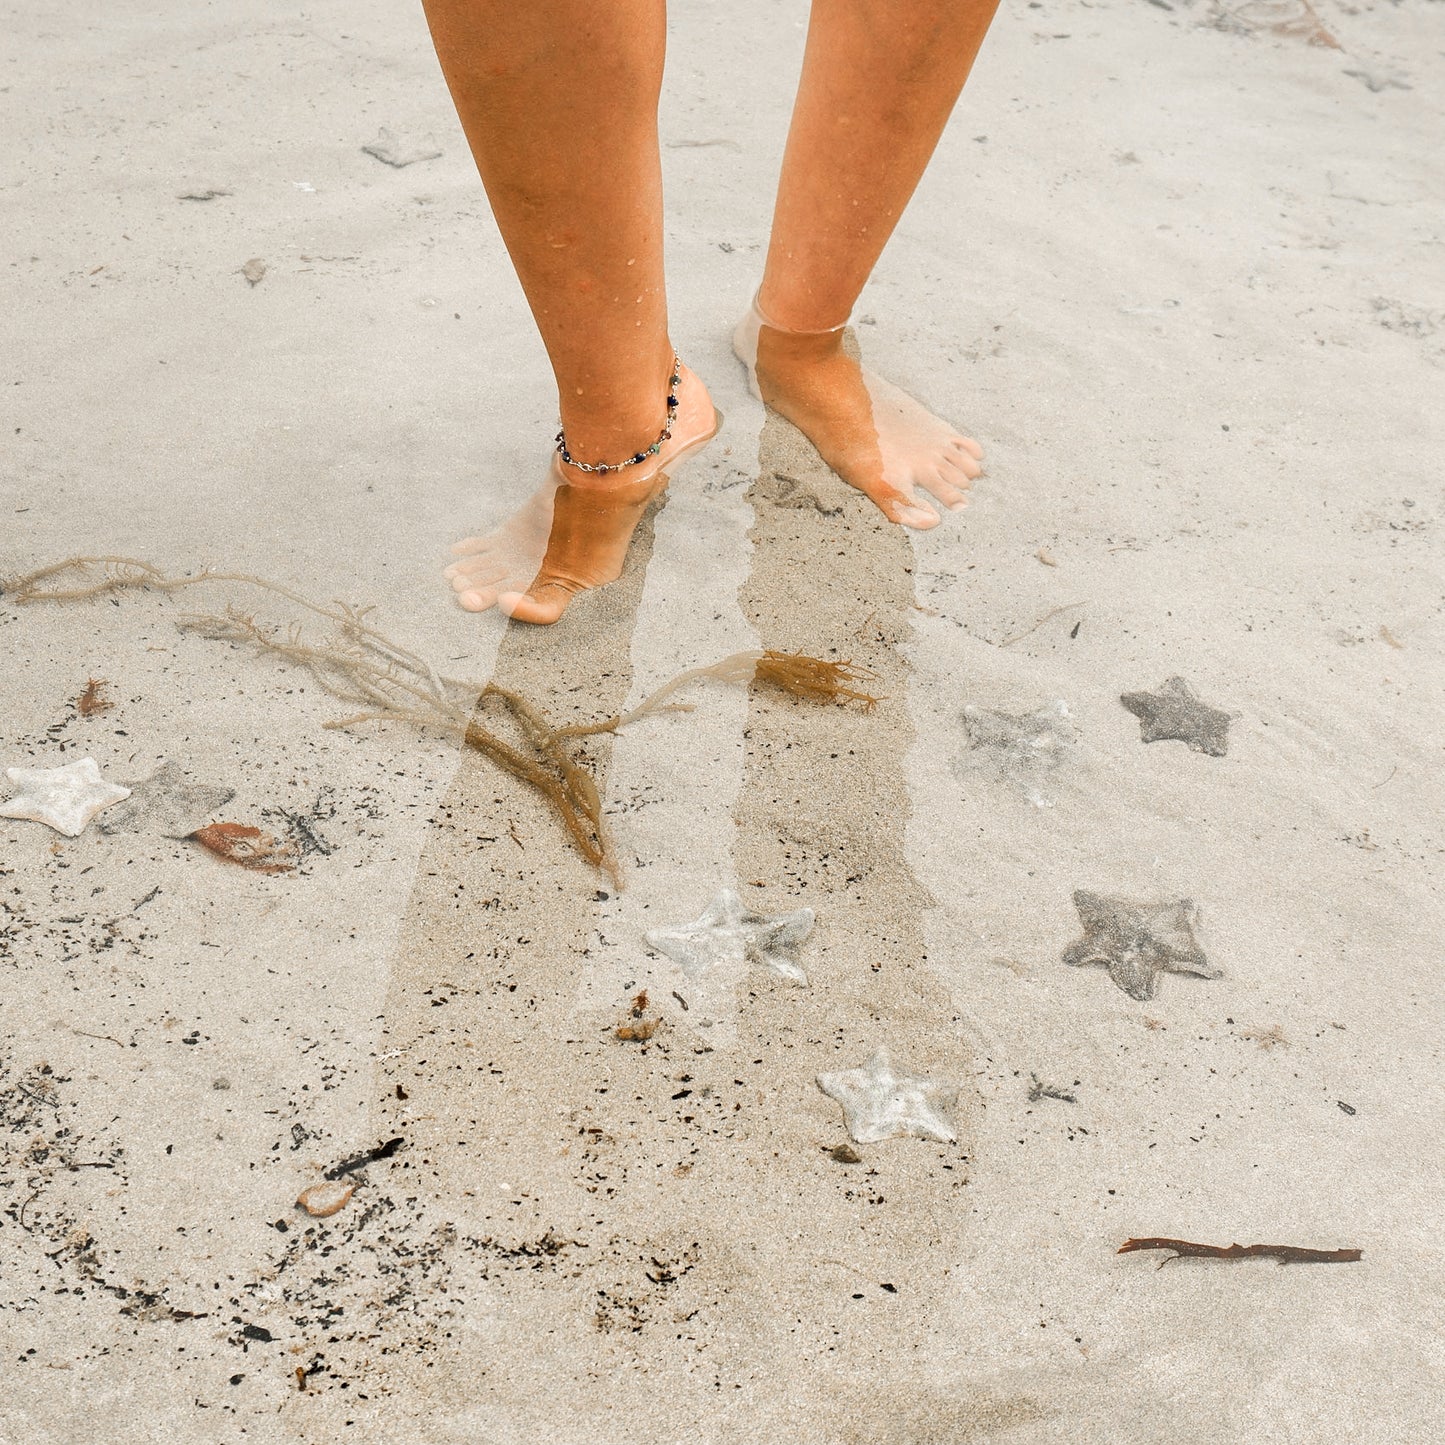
<point x="812" y="678"/>
<point x="364" y="668"/>
<point x="389" y="683"/>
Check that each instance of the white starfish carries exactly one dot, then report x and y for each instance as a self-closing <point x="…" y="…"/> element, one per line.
<point x="729" y="934"/>
<point x="881" y="1104"/>
<point x="65" y="799"/>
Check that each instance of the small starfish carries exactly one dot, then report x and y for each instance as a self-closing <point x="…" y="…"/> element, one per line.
<point x="1022" y="747"/>
<point x="165" y="803"/>
<point x="881" y="1104"/>
<point x="1138" y="941"/>
<point x="728" y="933"/>
<point x="65" y="798"/>
<point x="1174" y="712"/>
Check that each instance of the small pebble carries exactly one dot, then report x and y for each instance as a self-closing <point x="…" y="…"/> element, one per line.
<point x="322" y="1200"/>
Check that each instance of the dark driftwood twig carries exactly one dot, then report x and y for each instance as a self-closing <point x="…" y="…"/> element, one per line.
<point x="1284" y="1253"/>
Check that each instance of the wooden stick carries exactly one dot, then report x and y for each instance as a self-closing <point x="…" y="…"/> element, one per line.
<point x="1284" y="1253"/>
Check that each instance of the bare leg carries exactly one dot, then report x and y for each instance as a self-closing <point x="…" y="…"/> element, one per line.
<point x="559" y="104"/>
<point x="879" y="82"/>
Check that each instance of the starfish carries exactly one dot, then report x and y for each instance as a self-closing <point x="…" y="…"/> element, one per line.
<point x="65" y="798"/>
<point x="1173" y="711"/>
<point x="881" y="1104"/>
<point x="167" y="804"/>
<point x="1138" y="941"/>
<point x="1021" y="747"/>
<point x="728" y="933"/>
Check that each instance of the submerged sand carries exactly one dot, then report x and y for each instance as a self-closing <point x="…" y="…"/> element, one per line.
<point x="1179" y="274"/>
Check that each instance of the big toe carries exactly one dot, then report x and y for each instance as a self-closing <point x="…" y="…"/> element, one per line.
<point x="542" y="603"/>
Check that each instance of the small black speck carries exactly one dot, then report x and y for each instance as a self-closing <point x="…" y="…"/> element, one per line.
<point x="1348" y="1108"/>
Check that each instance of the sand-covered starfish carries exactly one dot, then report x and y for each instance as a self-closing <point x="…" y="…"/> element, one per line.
<point x="167" y="804"/>
<point x="1173" y="712"/>
<point x="1137" y="942"/>
<point x="879" y="1103"/>
<point x="1020" y="748"/>
<point x="730" y="934"/>
<point x="65" y="798"/>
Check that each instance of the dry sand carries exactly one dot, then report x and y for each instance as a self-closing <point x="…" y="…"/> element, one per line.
<point x="1182" y="276"/>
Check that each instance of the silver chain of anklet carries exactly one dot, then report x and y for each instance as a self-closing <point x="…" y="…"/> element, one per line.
<point x="641" y="457"/>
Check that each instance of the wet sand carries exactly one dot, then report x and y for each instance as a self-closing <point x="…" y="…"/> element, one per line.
<point x="1179" y="276"/>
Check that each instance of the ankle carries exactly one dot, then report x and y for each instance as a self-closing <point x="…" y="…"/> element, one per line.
<point x="786" y="350"/>
<point x="620" y="433"/>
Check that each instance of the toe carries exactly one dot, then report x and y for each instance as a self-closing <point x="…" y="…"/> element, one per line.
<point x="478" y="599"/>
<point x="951" y="496"/>
<point x="476" y="572"/>
<point x="963" y="461"/>
<point x="958" y="469"/>
<point x="467" y="546"/>
<point x="543" y="603"/>
<point x="908" y="509"/>
<point x="967" y="444"/>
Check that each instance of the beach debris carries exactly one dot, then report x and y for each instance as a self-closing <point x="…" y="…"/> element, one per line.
<point x="844" y="1154"/>
<point x="1020" y="748"/>
<point x="247" y="847"/>
<point x="1137" y="942"/>
<point x="813" y="679"/>
<point x="384" y="1150"/>
<point x="167" y="804"/>
<point x="323" y="1200"/>
<point x="1378" y="80"/>
<point x="64" y="798"/>
<point x="1406" y="319"/>
<point x="1046" y="557"/>
<point x="303" y="829"/>
<point x="392" y="151"/>
<point x="1174" y="713"/>
<point x="254" y="270"/>
<point x="92" y="699"/>
<point x="1040" y="1090"/>
<point x="1268" y="1039"/>
<point x="1034" y="626"/>
<point x="1284" y="1253"/>
<point x="1293" y="19"/>
<point x="728" y="934"/>
<point x="362" y="667"/>
<point x="642" y="1028"/>
<point x="879" y="1103"/>
<point x="202" y="193"/>
<point x="389" y="683"/>
<point x="792" y="492"/>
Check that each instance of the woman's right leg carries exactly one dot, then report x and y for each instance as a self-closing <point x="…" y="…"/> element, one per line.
<point x="558" y="99"/>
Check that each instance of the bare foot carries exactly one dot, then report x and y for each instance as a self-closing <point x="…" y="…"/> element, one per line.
<point x="572" y="534"/>
<point x="875" y="437"/>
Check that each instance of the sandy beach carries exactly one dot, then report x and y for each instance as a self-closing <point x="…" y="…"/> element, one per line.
<point x="1178" y="266"/>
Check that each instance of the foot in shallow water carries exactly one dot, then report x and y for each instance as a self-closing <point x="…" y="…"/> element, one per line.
<point x="572" y="534"/>
<point x="875" y="437"/>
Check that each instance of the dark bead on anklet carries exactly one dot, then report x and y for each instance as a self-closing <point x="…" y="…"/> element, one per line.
<point x="602" y="468"/>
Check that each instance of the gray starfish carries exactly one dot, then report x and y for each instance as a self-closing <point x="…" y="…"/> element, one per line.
<point x="879" y="1103"/>
<point x="167" y="804"/>
<point x="729" y="934"/>
<point x="1021" y="748"/>
<point x="64" y="798"/>
<point x="1137" y="942"/>
<point x="1174" y="712"/>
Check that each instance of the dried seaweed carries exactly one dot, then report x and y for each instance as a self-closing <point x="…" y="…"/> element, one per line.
<point x="364" y="668"/>
<point x="1284" y="1253"/>
<point x="812" y="678"/>
<point x="389" y="683"/>
<point x="92" y="699"/>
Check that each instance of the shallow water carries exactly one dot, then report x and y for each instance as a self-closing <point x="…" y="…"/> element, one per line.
<point x="1154" y="294"/>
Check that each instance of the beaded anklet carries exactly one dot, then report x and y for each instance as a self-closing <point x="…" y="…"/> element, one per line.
<point x="641" y="457"/>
